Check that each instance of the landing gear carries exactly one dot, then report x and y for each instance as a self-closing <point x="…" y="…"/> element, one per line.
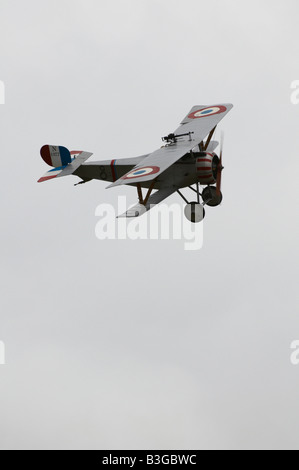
<point x="210" y="196"/>
<point x="195" y="212"/>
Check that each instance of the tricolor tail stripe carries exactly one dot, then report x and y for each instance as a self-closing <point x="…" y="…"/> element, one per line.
<point x="113" y="170"/>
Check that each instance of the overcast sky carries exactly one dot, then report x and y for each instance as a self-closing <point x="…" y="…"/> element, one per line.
<point x="125" y="344"/>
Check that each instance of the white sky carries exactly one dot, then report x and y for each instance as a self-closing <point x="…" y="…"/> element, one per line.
<point x="122" y="344"/>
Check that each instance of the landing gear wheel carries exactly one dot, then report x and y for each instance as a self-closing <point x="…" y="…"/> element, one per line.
<point x="210" y="196"/>
<point x="195" y="212"/>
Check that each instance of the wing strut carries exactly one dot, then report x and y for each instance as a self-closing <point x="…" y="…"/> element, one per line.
<point x="149" y="192"/>
<point x="140" y="195"/>
<point x="148" y="195"/>
<point x="209" y="139"/>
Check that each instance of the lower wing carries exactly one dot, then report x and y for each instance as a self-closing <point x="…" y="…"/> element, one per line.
<point x="156" y="198"/>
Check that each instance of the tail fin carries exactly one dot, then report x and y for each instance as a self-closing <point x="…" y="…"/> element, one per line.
<point x="64" y="162"/>
<point x="55" y="156"/>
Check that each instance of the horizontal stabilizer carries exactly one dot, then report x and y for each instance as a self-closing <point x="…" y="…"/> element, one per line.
<point x="77" y="159"/>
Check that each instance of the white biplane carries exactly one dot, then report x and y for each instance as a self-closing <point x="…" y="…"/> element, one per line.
<point x="186" y="159"/>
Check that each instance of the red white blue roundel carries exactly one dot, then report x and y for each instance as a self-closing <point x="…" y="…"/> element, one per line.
<point x="145" y="171"/>
<point x="207" y="112"/>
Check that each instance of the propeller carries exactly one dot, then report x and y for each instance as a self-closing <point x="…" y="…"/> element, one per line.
<point x="220" y="168"/>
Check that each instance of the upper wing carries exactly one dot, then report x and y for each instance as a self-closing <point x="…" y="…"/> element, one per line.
<point x="197" y="125"/>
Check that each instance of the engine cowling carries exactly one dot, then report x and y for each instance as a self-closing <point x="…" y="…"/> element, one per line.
<point x="206" y="168"/>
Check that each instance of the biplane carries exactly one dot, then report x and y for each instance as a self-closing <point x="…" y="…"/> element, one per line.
<point x="187" y="159"/>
